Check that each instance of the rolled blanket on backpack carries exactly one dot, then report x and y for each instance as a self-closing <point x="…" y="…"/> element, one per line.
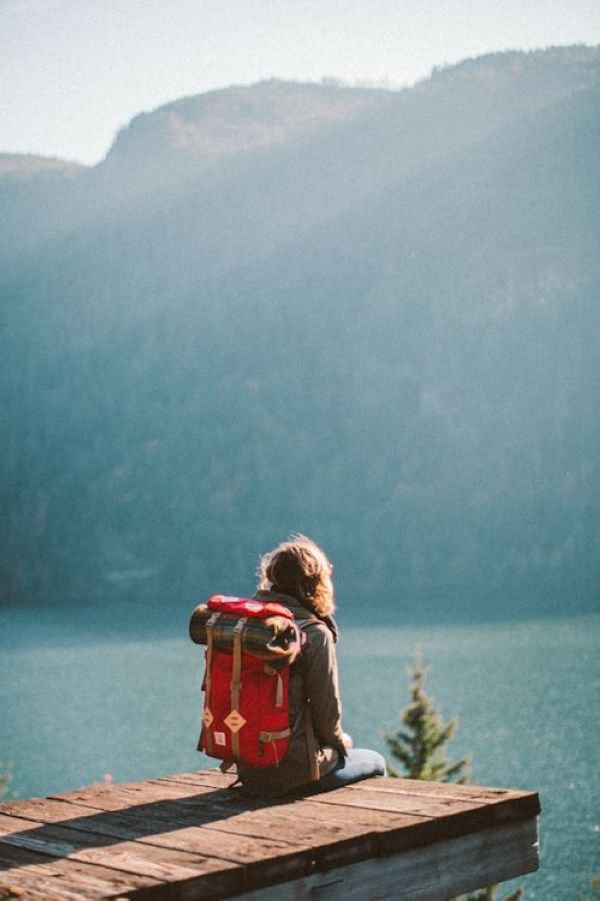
<point x="274" y="638"/>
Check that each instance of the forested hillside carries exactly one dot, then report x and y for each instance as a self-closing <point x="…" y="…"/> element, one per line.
<point x="368" y="315"/>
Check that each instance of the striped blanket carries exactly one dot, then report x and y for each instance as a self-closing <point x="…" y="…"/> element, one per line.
<point x="273" y="638"/>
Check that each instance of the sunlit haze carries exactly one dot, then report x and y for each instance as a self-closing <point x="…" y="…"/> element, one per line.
<point x="72" y="72"/>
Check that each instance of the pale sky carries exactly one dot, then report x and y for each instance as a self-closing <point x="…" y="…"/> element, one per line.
<point x="72" y="72"/>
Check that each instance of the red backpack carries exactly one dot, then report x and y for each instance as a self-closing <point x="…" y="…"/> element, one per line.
<point x="249" y="647"/>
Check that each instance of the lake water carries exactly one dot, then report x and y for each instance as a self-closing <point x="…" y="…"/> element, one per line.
<point x="89" y="693"/>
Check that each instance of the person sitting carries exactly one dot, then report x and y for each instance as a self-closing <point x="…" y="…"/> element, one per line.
<point x="320" y="757"/>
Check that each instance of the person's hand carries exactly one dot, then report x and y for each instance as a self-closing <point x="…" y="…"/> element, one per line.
<point x="347" y="739"/>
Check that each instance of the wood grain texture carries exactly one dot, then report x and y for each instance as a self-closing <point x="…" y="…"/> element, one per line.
<point x="191" y="835"/>
<point x="431" y="873"/>
<point x="32" y="872"/>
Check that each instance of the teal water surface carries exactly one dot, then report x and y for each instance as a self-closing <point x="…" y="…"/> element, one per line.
<point x="79" y="702"/>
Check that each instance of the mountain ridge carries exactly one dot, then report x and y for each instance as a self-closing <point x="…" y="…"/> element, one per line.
<point x="29" y="165"/>
<point x="584" y="62"/>
<point x="380" y="332"/>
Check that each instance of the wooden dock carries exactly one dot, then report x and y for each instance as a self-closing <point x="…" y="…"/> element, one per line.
<point x="191" y="836"/>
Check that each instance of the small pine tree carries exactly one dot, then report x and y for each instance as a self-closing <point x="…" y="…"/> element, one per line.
<point x="421" y="745"/>
<point x="421" y="749"/>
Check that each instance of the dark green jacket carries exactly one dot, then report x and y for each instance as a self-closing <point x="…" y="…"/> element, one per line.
<point x="315" y="711"/>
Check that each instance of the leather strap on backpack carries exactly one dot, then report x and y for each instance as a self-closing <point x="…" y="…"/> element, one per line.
<point x="236" y="685"/>
<point x="207" y="717"/>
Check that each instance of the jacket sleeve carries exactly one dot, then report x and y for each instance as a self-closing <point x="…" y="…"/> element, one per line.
<point x="322" y="689"/>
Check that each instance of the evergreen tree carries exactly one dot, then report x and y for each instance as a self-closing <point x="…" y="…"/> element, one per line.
<point x="420" y="744"/>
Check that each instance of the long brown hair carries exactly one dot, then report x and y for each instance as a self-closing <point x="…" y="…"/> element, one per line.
<point x="300" y="568"/>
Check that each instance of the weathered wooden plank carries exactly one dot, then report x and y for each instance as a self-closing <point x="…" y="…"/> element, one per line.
<point x="241" y="845"/>
<point x="170" y="830"/>
<point x="272" y="858"/>
<point x="290" y="823"/>
<point x="439" y="789"/>
<point x="163" y="863"/>
<point x="315" y="811"/>
<point x="295" y="826"/>
<point x="196" y="810"/>
<point x="432" y="873"/>
<point x="410" y="796"/>
<point x="401" y="803"/>
<point x="417" y="803"/>
<point x="191" y="836"/>
<point x="36" y="874"/>
<point x="130" y="821"/>
<point x="37" y="890"/>
<point x="420" y="799"/>
<point x="217" y="779"/>
<point x="214" y="788"/>
<point x="522" y="803"/>
<point x="214" y="778"/>
<point x="128" y="794"/>
<point x="375" y="820"/>
<point x="285" y="821"/>
<point x="46" y="810"/>
<point x="72" y="885"/>
<point x="375" y="804"/>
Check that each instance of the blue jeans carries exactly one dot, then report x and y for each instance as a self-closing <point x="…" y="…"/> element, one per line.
<point x="360" y="763"/>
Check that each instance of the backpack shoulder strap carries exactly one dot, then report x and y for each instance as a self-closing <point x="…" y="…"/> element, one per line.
<point x="312" y="745"/>
<point x="307" y="621"/>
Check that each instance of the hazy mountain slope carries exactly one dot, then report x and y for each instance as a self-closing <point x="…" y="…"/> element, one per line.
<point x="367" y="315"/>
